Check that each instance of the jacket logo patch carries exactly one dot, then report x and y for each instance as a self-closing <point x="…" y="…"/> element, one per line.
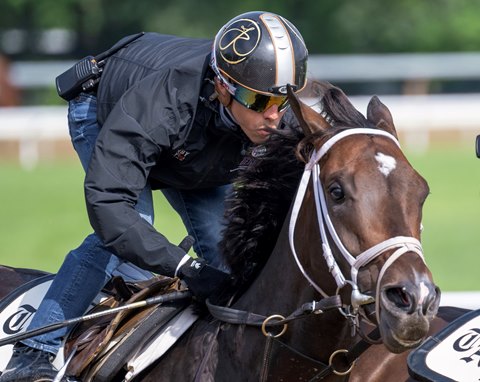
<point x="181" y="154"/>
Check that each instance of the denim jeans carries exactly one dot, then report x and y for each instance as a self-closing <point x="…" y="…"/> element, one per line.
<point x="87" y="268"/>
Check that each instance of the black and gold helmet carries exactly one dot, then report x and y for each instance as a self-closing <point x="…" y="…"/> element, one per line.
<point x="260" y="52"/>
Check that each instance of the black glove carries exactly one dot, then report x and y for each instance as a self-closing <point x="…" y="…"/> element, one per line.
<point x="202" y="279"/>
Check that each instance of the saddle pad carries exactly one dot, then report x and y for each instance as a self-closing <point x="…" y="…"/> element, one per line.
<point x="111" y="363"/>
<point x="162" y="341"/>
<point x="453" y="354"/>
<point x="17" y="310"/>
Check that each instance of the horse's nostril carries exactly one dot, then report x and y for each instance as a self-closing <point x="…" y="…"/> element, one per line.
<point x="431" y="302"/>
<point x="401" y="298"/>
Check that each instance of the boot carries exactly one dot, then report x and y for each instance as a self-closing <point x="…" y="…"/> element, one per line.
<point x="28" y="365"/>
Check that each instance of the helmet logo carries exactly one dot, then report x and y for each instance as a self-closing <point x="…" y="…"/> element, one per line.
<point x="239" y="40"/>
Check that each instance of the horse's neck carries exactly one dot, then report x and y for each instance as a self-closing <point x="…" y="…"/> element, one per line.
<point x="280" y="288"/>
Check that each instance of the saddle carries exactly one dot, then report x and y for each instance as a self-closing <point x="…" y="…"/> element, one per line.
<point x="101" y="348"/>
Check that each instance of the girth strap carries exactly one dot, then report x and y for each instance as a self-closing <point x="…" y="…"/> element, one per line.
<point x="242" y="317"/>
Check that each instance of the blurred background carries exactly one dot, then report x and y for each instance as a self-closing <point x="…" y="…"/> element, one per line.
<point x="421" y="57"/>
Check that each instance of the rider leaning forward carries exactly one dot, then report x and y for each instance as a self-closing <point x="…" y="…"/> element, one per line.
<point x="173" y="114"/>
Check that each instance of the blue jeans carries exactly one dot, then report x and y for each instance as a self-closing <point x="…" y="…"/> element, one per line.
<point x="87" y="268"/>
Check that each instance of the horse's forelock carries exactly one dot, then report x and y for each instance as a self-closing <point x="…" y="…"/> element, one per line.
<point x="340" y="109"/>
<point x="336" y="105"/>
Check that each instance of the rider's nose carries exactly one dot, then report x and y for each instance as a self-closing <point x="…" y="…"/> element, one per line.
<point x="271" y="113"/>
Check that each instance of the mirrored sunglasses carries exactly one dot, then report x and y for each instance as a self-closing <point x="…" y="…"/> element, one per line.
<point x="258" y="102"/>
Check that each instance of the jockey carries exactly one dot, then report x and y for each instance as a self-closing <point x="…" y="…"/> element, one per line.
<point x="172" y="114"/>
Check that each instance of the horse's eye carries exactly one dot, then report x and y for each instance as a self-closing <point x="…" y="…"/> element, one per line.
<point x="336" y="192"/>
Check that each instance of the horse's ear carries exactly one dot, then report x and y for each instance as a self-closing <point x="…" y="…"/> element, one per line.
<point x="380" y="116"/>
<point x="310" y="121"/>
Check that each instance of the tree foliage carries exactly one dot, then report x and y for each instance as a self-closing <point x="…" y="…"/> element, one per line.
<point x="328" y="26"/>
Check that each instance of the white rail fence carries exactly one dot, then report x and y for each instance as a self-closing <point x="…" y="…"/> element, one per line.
<point x="30" y="126"/>
<point x="468" y="300"/>
<point x="416" y="117"/>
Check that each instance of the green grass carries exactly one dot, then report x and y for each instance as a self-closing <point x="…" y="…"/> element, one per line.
<point x="451" y="237"/>
<point x="42" y="215"/>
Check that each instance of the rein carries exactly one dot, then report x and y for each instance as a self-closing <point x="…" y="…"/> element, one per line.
<point x="242" y="317"/>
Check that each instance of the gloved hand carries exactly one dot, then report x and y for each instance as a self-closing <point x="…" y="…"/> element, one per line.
<point x="202" y="279"/>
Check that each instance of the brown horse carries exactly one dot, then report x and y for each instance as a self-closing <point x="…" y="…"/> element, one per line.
<point x="11" y="278"/>
<point x="353" y="231"/>
<point x="320" y="273"/>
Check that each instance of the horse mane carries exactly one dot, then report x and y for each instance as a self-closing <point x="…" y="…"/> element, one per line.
<point x="263" y="191"/>
<point x="266" y="184"/>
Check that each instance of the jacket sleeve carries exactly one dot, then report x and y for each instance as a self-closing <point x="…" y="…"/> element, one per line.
<point x="124" y="153"/>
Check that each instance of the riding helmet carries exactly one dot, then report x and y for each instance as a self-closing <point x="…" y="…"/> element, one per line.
<point x="262" y="52"/>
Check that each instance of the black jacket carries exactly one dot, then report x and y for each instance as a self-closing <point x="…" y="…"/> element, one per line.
<point x="158" y="126"/>
<point x="154" y="129"/>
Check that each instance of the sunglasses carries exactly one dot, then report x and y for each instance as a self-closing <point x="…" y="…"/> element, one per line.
<point x="258" y="102"/>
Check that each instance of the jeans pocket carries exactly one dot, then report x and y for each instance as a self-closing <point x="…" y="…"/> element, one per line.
<point x="83" y="126"/>
<point x="82" y="114"/>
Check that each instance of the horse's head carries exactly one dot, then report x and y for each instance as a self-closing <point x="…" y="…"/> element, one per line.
<point x="369" y="204"/>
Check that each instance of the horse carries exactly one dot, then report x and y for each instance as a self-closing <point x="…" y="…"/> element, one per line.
<point x="352" y="232"/>
<point x="323" y="241"/>
<point x="11" y="278"/>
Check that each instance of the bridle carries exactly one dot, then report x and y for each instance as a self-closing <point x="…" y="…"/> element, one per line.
<point x="402" y="244"/>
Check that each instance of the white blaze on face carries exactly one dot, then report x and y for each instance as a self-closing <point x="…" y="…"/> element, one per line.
<point x="386" y="163"/>
<point x="424" y="292"/>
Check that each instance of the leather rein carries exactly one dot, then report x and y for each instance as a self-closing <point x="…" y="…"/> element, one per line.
<point x="400" y="245"/>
